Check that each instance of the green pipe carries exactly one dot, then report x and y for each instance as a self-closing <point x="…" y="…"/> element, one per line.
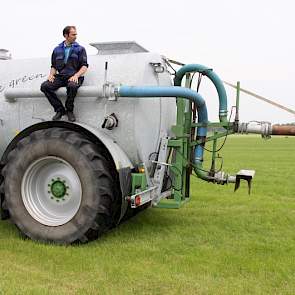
<point x="198" y="168"/>
<point x="215" y="80"/>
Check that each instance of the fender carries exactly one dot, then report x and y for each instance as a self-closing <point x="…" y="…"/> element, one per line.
<point x="119" y="157"/>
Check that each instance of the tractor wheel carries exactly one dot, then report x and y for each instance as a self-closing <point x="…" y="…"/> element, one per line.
<point x="59" y="187"/>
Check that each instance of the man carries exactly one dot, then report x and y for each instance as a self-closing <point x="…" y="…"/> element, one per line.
<point x="68" y="65"/>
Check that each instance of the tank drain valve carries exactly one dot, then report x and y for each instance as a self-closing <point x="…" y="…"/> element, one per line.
<point x="110" y="122"/>
<point x="246" y="175"/>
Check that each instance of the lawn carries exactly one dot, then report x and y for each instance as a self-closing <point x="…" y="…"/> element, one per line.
<point x="221" y="242"/>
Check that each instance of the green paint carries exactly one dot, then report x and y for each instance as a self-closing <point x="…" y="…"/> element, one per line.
<point x="138" y="182"/>
<point x="238" y="96"/>
<point x="213" y="124"/>
<point x="237" y="102"/>
<point x="181" y="145"/>
<point x="58" y="189"/>
<point x="213" y="137"/>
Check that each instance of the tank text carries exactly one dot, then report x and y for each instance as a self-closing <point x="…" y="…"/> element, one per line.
<point x="22" y="80"/>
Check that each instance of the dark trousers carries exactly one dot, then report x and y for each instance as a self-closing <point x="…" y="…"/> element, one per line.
<point x="49" y="88"/>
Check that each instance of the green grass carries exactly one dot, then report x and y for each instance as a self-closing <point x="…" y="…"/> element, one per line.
<point x="219" y="243"/>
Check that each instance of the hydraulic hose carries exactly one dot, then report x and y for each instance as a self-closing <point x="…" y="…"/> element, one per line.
<point x="215" y="80"/>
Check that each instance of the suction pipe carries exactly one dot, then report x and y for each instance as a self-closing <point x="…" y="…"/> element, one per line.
<point x="172" y="91"/>
<point x="177" y="91"/>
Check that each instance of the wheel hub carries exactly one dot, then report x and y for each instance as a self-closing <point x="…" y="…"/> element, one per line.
<point x="58" y="189"/>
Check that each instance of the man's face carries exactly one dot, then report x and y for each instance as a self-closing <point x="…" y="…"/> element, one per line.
<point x="72" y="36"/>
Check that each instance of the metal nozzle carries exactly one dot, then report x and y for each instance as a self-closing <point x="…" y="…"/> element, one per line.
<point x="246" y="175"/>
<point x="224" y="178"/>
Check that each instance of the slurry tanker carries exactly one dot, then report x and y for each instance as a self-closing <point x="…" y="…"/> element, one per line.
<point x="140" y="133"/>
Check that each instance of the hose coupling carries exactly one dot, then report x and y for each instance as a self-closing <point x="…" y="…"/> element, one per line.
<point x="109" y="91"/>
<point x="222" y="177"/>
<point x="263" y="128"/>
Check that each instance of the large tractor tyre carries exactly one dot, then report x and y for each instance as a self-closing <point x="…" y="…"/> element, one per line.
<point x="4" y="214"/>
<point x="60" y="187"/>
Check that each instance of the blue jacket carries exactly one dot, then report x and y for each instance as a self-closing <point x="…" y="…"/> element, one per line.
<point x="77" y="59"/>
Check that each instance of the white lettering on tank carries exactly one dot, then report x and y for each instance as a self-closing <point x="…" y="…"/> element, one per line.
<point x="22" y="80"/>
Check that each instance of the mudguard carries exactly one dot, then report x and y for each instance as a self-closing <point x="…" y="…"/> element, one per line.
<point x="121" y="160"/>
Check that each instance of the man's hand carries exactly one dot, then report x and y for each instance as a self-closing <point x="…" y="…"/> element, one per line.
<point x="74" y="79"/>
<point x="51" y="78"/>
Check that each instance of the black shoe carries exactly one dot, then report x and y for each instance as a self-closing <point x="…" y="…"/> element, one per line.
<point x="71" y="116"/>
<point x="57" y="116"/>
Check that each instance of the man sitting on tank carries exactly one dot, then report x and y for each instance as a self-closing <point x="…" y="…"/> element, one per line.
<point x="68" y="65"/>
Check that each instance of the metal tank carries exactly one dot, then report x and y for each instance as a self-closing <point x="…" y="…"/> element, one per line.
<point x="89" y="172"/>
<point x="141" y="123"/>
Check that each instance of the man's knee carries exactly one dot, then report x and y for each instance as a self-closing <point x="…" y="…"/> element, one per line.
<point x="44" y="86"/>
<point x="73" y="86"/>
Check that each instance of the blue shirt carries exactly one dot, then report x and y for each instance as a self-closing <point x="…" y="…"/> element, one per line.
<point x="67" y="52"/>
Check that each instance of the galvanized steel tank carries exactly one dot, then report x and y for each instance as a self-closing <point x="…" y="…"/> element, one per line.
<point x="141" y="121"/>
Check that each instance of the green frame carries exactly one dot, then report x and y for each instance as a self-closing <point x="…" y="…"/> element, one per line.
<point x="183" y="146"/>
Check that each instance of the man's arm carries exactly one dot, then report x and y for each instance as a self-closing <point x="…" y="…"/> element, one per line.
<point x="83" y="64"/>
<point x="53" y="71"/>
<point x="52" y="74"/>
<point x="80" y="73"/>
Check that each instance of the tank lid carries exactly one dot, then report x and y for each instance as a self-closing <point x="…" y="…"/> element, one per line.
<point x="121" y="47"/>
<point x="5" y="54"/>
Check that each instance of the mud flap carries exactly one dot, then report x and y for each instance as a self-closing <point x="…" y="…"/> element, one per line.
<point x="125" y="185"/>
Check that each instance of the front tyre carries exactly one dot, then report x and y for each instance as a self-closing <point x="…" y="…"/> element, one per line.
<point x="60" y="187"/>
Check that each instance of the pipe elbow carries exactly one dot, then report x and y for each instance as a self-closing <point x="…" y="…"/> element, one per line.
<point x="201" y="173"/>
<point x="214" y="79"/>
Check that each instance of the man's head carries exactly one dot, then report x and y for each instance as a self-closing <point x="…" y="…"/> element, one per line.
<point x="70" y="34"/>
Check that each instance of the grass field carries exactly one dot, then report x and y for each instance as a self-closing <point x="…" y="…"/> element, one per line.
<point x="219" y="243"/>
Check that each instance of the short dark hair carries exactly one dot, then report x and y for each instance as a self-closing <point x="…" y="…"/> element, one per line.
<point x="66" y="30"/>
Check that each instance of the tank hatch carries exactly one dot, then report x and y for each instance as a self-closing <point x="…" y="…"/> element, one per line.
<point x="122" y="47"/>
<point x="5" y="54"/>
